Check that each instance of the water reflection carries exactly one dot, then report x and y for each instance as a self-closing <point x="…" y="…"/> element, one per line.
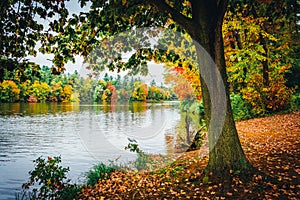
<point x="114" y="124"/>
<point x="25" y="109"/>
<point x="81" y="134"/>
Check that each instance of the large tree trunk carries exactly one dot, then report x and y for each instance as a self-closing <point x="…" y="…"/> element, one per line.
<point x="205" y="27"/>
<point x="226" y="152"/>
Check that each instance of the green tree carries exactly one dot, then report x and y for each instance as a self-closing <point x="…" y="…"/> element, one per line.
<point x="20" y="32"/>
<point x="46" y="75"/>
<point x="117" y="82"/>
<point x="155" y="93"/>
<point x="25" y="90"/>
<point x="87" y="89"/>
<point x="106" y="77"/>
<point x="153" y="83"/>
<point x="74" y="81"/>
<point x="277" y="18"/>
<point x="101" y="91"/>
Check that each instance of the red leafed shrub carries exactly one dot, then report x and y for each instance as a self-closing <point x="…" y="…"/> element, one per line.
<point x="267" y="98"/>
<point x="32" y="99"/>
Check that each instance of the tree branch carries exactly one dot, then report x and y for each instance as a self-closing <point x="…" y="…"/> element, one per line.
<point x="179" y="18"/>
<point x="222" y="7"/>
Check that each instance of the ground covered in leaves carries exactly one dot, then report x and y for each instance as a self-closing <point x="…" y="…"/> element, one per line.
<point x="272" y="145"/>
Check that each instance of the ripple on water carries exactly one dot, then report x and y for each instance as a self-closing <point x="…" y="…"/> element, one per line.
<point x="82" y="138"/>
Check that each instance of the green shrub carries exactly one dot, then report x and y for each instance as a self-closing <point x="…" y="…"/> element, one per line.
<point x="241" y="109"/>
<point x="100" y="171"/>
<point x="51" y="179"/>
<point x="70" y="192"/>
<point x="295" y="102"/>
<point x="201" y="108"/>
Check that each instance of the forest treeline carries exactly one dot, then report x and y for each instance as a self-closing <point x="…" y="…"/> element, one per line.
<point x="46" y="87"/>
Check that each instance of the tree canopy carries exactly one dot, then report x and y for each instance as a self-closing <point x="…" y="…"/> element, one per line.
<point x="21" y="30"/>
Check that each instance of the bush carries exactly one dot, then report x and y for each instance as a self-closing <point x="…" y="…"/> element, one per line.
<point x="51" y="179"/>
<point x="9" y="91"/>
<point x="241" y="109"/>
<point x="100" y="171"/>
<point x="201" y="108"/>
<point x="70" y="192"/>
<point x="295" y="102"/>
<point x="267" y="99"/>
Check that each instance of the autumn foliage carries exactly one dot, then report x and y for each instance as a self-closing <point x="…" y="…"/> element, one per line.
<point x="256" y="59"/>
<point x="9" y="91"/>
<point x="263" y="98"/>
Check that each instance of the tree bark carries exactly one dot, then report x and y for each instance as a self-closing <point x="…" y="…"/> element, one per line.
<point x="205" y="27"/>
<point x="265" y="63"/>
<point x="226" y="152"/>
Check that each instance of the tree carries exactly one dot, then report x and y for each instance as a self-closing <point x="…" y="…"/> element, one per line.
<point x="40" y="91"/>
<point x="205" y="26"/>
<point x="256" y="58"/>
<point x="202" y="20"/>
<point x="182" y="88"/>
<point x="9" y="91"/>
<point x="140" y="91"/>
<point x="280" y="20"/>
<point x="20" y="31"/>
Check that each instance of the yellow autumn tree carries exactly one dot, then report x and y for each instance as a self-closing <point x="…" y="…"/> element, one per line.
<point x="9" y="91"/>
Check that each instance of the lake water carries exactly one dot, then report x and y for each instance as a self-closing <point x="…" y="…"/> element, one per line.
<point x="82" y="134"/>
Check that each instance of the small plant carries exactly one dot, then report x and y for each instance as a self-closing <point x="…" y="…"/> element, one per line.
<point x="100" y="171"/>
<point x="143" y="160"/>
<point x="52" y="180"/>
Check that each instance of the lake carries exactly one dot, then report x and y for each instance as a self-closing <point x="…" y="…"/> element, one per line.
<point x="82" y="134"/>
